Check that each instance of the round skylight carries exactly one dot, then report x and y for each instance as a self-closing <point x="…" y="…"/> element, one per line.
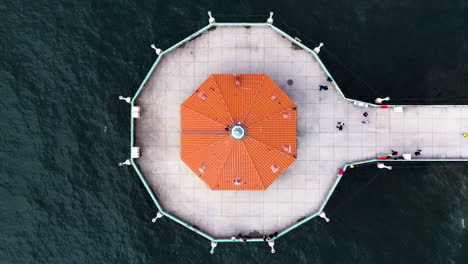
<point x="238" y="132"/>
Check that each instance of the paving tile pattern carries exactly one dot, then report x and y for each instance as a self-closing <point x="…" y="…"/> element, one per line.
<point x="322" y="149"/>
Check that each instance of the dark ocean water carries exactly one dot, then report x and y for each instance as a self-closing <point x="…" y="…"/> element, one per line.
<point x="64" y="63"/>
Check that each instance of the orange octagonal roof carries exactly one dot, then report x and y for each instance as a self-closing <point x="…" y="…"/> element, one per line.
<point x="238" y="131"/>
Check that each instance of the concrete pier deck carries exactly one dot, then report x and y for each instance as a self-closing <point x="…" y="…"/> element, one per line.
<point x="322" y="149"/>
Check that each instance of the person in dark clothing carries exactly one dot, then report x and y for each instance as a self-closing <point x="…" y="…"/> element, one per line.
<point x="271" y="236"/>
<point x="417" y="153"/>
<point x="323" y="87"/>
<point x="365" y="114"/>
<point x="329" y="79"/>
<point x="394" y="153"/>
<point x="340" y="126"/>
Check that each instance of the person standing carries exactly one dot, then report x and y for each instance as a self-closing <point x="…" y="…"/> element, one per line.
<point x="340" y="126"/>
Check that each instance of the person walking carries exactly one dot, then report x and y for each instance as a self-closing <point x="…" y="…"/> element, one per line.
<point x="323" y="87"/>
<point x="417" y="153"/>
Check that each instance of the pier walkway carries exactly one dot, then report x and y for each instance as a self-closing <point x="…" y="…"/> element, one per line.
<point x="322" y="149"/>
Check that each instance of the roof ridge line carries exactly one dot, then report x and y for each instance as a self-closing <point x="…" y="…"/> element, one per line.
<point x="225" y="159"/>
<point x="255" y="97"/>
<point x="202" y="115"/>
<point x="264" y="144"/>
<point x="222" y="96"/>
<point x="253" y="163"/>
<point x="259" y="122"/>
<point x="209" y="145"/>
<point x="274" y="114"/>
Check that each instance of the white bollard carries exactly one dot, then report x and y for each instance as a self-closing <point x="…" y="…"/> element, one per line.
<point x="213" y="245"/>
<point x="126" y="99"/>
<point x="270" y="19"/>
<point x="271" y="243"/>
<point x="158" y="215"/>
<point x="135" y="153"/>
<point x="136" y="110"/>
<point x="382" y="166"/>
<point x="324" y="216"/>
<point x="381" y="100"/>
<point x="317" y="49"/>
<point x="157" y="50"/>
<point x="211" y="20"/>
<point x="127" y="162"/>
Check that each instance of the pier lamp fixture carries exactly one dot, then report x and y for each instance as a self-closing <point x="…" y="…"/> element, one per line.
<point x="383" y="166"/>
<point x="270" y="19"/>
<point x="381" y="100"/>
